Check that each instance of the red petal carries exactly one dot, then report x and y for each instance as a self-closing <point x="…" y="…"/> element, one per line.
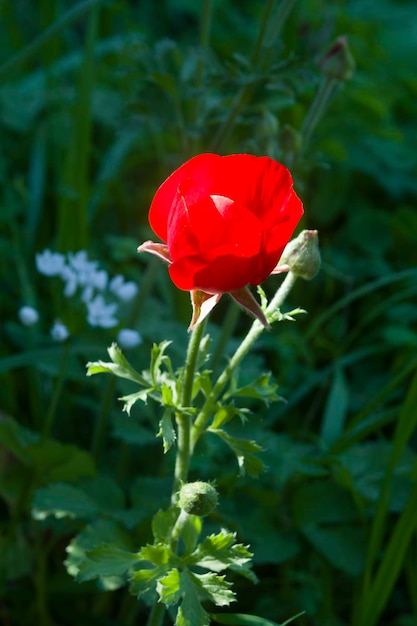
<point x="213" y="227"/>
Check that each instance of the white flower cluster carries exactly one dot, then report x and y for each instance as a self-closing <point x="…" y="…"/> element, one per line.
<point x="100" y="294"/>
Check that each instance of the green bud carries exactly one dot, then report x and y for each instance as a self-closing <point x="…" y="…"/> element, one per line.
<point x="197" y="498"/>
<point x="338" y="62"/>
<point x="302" y="255"/>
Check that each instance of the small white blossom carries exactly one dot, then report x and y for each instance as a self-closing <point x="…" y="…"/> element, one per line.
<point x="100" y="313"/>
<point x="71" y="281"/>
<point x="125" y="291"/>
<point x="116" y="282"/>
<point x="50" y="263"/>
<point x="99" y="279"/>
<point x="128" y="338"/>
<point x="28" y="315"/>
<point x="59" y="332"/>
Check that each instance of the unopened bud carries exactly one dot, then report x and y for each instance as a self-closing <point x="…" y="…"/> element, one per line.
<point x="197" y="498"/>
<point x="338" y="62"/>
<point x="302" y="255"/>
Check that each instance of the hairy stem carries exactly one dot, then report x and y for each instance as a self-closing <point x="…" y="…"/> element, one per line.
<point x="254" y="332"/>
<point x="182" y="461"/>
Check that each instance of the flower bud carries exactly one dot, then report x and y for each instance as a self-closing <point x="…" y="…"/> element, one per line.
<point x="338" y="62"/>
<point x="302" y="255"/>
<point x="197" y="498"/>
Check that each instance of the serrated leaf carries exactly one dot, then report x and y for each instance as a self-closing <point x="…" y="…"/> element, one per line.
<point x="106" y="560"/>
<point x="219" y="552"/>
<point x="191" y="613"/>
<point x="245" y="450"/>
<point x="213" y="587"/>
<point x="169" y="587"/>
<point x="145" y="580"/>
<point x="224" y="415"/>
<point x="158" y="555"/>
<point x="93" y="535"/>
<point x="166" y="430"/>
<point x="119" y="366"/>
<point x="202" y="382"/>
<point x="132" y="398"/>
<point x="277" y="316"/>
<point x="260" y="389"/>
<point x="157" y="359"/>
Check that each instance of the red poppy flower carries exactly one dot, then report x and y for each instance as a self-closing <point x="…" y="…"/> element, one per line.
<point x="225" y="220"/>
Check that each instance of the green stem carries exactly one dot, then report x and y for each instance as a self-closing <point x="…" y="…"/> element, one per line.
<point x="245" y="93"/>
<point x="205" y="24"/>
<point x="226" y="332"/>
<point x="270" y="30"/>
<point x="318" y="106"/>
<point x="262" y="31"/>
<point x="59" y="384"/>
<point x="182" y="461"/>
<point x="254" y="332"/>
<point x="156" y="616"/>
<point x="101" y="425"/>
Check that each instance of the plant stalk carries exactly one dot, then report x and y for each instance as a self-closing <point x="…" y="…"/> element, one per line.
<point x="182" y="461"/>
<point x="255" y="331"/>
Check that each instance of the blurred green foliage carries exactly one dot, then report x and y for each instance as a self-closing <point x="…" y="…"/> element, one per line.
<point x="99" y="102"/>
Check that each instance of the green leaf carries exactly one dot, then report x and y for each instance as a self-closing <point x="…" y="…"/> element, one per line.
<point x="224" y="415"/>
<point x="241" y="619"/>
<point x="202" y="383"/>
<point x="98" y="497"/>
<point x="219" y="552"/>
<point x="119" y="367"/>
<point x="191" y="531"/>
<point x="336" y="408"/>
<point x="169" y="587"/>
<point x="156" y="554"/>
<point x="93" y="535"/>
<point x="245" y="450"/>
<point x="191" y="613"/>
<point x="158" y="358"/>
<point x="106" y="560"/>
<point x="213" y="587"/>
<point x="162" y="525"/>
<point x="260" y="389"/>
<point x="47" y="460"/>
<point x="132" y="398"/>
<point x="145" y="580"/>
<point x="166" y="430"/>
<point x="63" y="500"/>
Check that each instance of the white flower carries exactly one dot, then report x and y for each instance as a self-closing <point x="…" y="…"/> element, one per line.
<point x="59" y="332"/>
<point x="28" y="315"/>
<point x="99" y="279"/>
<point x="125" y="291"/>
<point x="128" y="338"/>
<point x="100" y="313"/>
<point x="71" y="279"/>
<point x="50" y="263"/>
